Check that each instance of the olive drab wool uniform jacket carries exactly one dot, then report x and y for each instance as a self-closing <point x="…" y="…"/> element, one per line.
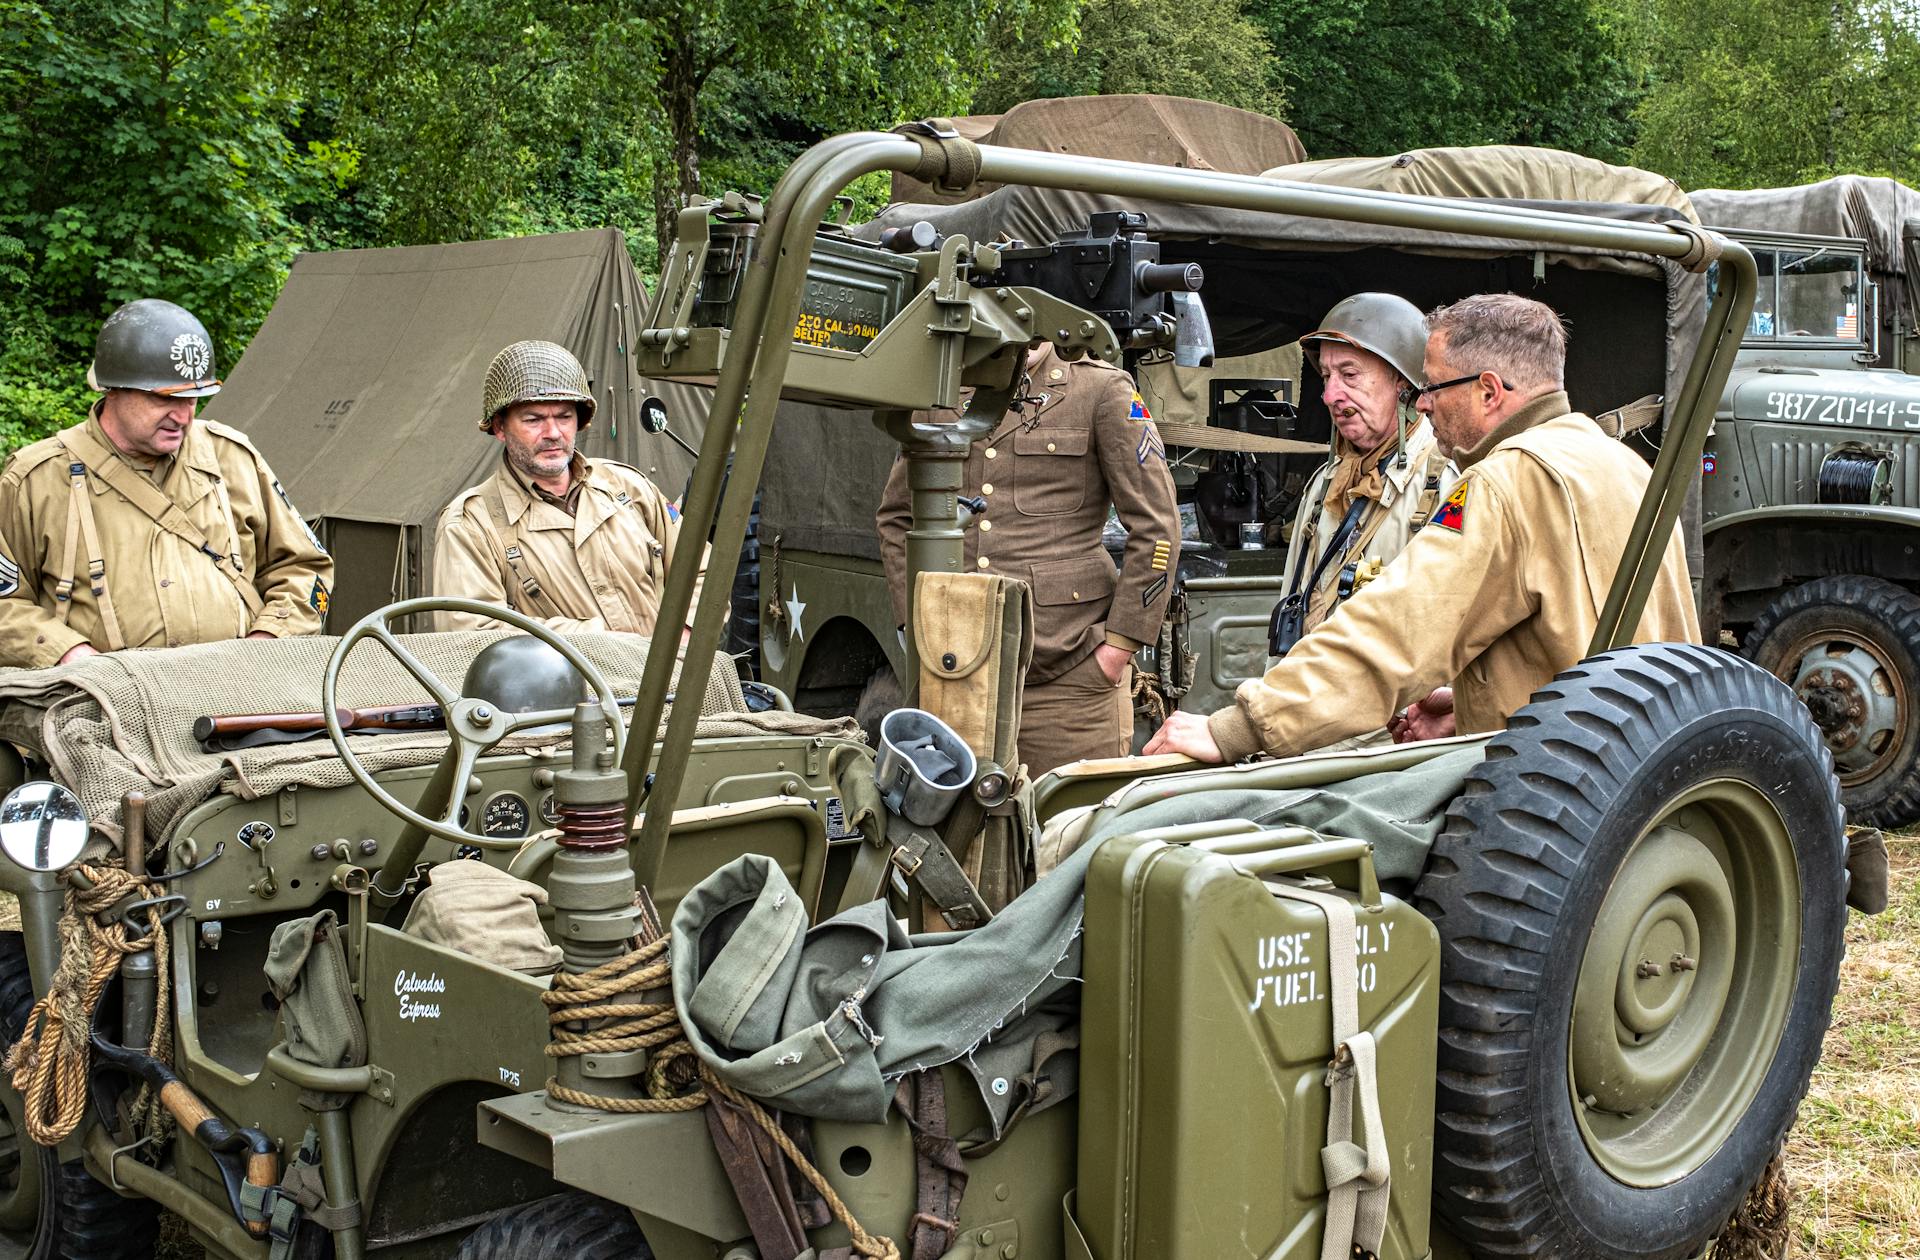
<point x="1048" y="472"/>
<point x="200" y="547"/>
<point x="601" y="568"/>
<point x="1501" y="591"/>
<point x="1409" y="496"/>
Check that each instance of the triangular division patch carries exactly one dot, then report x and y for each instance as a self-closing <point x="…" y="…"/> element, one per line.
<point x="1453" y="513"/>
<point x="1138" y="411"/>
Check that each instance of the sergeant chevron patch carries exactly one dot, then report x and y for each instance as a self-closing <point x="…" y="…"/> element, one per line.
<point x="9" y="576"/>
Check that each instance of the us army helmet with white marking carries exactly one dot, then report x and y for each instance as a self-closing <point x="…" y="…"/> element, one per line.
<point x="153" y="345"/>
<point x="535" y="371"/>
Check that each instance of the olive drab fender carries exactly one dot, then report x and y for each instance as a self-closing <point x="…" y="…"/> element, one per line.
<point x="601" y="568"/>
<point x="1483" y="598"/>
<point x="204" y="547"/>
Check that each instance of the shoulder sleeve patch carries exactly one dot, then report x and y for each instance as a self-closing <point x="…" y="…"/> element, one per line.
<point x="1453" y="510"/>
<point x="1138" y="409"/>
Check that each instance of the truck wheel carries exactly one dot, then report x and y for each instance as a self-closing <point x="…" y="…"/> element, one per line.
<point x="565" y="1227"/>
<point x="50" y="1210"/>
<point x="1640" y="896"/>
<point x="1849" y="646"/>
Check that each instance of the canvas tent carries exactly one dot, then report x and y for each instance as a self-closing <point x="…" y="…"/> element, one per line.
<point x="1884" y="213"/>
<point x="1167" y="130"/>
<point x="1270" y="278"/>
<point x="363" y="387"/>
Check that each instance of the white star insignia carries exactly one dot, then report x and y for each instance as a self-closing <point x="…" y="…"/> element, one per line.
<point x="795" y="606"/>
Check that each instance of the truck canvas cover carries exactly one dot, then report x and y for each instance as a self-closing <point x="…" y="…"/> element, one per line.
<point x="363" y="386"/>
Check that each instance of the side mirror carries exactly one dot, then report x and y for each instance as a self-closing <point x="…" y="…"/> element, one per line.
<point x="42" y="826"/>
<point x="653" y="416"/>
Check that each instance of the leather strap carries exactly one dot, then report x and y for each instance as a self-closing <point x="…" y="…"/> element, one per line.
<point x="940" y="1174"/>
<point x="759" y="1184"/>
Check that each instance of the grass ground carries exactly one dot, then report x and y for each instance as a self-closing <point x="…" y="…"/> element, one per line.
<point x="1854" y="1158"/>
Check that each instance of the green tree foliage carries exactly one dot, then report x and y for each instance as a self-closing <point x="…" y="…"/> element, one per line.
<point x="144" y="149"/>
<point x="1753" y="95"/>
<point x="1204" y="48"/>
<point x="1380" y="76"/>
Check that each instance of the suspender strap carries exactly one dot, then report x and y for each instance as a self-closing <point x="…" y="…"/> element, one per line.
<point x="1429" y="491"/>
<point x="1358" y="1177"/>
<point x="96" y="562"/>
<point x="226" y="517"/>
<point x="76" y="504"/>
<point x="508" y="555"/>
<point x="157" y="505"/>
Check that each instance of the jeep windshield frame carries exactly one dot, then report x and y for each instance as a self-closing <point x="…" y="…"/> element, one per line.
<point x="761" y="345"/>
<point x="1804" y="286"/>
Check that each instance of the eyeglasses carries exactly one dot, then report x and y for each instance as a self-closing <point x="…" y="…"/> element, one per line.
<point x="1411" y="394"/>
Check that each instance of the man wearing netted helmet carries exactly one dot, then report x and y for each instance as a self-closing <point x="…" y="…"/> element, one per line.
<point x="1386" y="475"/>
<point x="146" y="525"/>
<point x="576" y="543"/>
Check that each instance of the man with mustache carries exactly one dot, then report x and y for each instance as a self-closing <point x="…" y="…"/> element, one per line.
<point x="1385" y="477"/>
<point x="578" y="544"/>
<point x="144" y="526"/>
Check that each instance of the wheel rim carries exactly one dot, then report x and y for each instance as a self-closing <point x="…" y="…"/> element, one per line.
<point x="1685" y="986"/>
<point x="1857" y="698"/>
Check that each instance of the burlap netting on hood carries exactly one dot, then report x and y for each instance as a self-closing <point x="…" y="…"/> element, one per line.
<point x="120" y="721"/>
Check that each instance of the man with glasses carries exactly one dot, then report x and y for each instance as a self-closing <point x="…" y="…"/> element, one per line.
<point x="1386" y="475"/>
<point x="1503" y="588"/>
<point x="577" y="544"/>
<point x="145" y="525"/>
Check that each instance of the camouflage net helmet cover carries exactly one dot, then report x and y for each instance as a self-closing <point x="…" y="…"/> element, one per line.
<point x="1383" y="324"/>
<point x="535" y="371"/>
<point x="153" y="345"/>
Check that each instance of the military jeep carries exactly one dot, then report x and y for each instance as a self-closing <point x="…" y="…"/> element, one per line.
<point x="1573" y="1016"/>
<point x="1810" y="501"/>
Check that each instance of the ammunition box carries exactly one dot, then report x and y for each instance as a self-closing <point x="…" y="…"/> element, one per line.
<point x="852" y="290"/>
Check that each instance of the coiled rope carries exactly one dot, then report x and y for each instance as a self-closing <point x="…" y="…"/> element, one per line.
<point x="676" y="1080"/>
<point x="49" y="1062"/>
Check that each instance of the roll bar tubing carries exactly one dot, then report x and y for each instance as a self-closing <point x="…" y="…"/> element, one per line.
<point x="747" y="392"/>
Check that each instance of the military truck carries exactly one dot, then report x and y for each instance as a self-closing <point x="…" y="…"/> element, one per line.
<point x="1569" y="1014"/>
<point x="1811" y="491"/>
<point x="1244" y="436"/>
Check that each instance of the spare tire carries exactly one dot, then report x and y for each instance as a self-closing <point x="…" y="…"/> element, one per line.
<point x="573" y="1226"/>
<point x="1640" y="896"/>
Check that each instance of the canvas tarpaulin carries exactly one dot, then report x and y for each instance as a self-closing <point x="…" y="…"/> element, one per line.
<point x="363" y="387"/>
<point x="1135" y="127"/>
<point x="119" y="721"/>
<point x="1866" y="208"/>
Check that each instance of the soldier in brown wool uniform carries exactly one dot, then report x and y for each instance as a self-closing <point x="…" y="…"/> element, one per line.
<point x="576" y="543"/>
<point x="1077" y="443"/>
<point x="146" y="526"/>
<point x="1503" y="588"/>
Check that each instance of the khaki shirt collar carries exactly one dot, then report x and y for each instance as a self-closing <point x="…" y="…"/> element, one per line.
<point x="1539" y="411"/>
<point x="520" y="494"/>
<point x="196" y="452"/>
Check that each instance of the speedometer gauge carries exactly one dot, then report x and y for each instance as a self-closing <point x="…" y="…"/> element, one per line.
<point x="505" y="815"/>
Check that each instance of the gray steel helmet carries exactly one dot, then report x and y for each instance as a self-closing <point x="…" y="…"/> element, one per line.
<point x="153" y="345"/>
<point x="535" y="371"/>
<point x="1385" y="324"/>
<point x="523" y="675"/>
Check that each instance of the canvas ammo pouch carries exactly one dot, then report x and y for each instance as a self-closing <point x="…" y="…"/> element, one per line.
<point x="306" y="969"/>
<point x="485" y="913"/>
<point x="973" y="633"/>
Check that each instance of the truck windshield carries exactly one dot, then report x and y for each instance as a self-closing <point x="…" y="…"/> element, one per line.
<point x="1810" y="293"/>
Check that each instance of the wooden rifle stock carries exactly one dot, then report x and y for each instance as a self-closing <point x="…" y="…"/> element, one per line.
<point x="399" y="717"/>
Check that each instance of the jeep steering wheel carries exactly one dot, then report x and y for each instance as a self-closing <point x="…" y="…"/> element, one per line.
<point x="474" y="726"/>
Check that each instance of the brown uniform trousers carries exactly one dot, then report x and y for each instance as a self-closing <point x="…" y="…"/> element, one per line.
<point x="1501" y="591"/>
<point x="201" y="546"/>
<point x="601" y="568"/>
<point x="1049" y="472"/>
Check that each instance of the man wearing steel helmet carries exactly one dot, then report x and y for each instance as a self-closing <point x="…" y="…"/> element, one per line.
<point x="1503" y="588"/>
<point x="1385" y="477"/>
<point x="577" y="543"/>
<point x="144" y="526"/>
